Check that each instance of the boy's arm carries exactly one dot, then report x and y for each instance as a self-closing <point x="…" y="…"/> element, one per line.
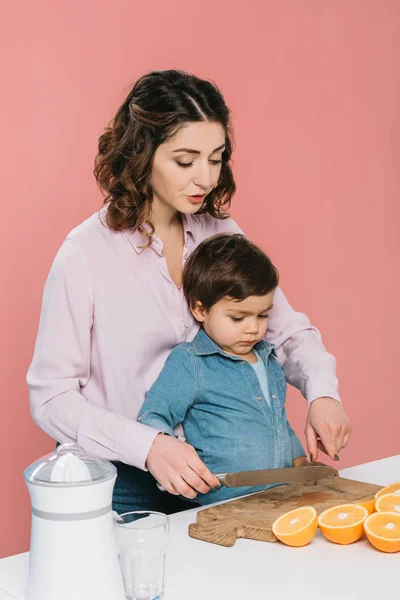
<point x="172" y="394"/>
<point x="299" y="456"/>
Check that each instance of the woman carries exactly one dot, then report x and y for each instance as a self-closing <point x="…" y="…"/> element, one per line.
<point x="113" y="307"/>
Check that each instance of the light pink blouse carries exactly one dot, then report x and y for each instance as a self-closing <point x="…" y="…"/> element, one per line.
<point x="111" y="314"/>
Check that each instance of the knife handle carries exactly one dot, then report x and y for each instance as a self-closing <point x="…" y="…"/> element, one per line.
<point x="219" y="476"/>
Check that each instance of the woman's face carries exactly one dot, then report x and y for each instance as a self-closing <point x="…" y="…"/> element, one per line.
<point x="187" y="167"/>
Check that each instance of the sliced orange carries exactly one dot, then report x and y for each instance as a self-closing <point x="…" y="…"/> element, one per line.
<point x="296" y="527"/>
<point x="343" y="524"/>
<point x="393" y="488"/>
<point x="388" y="503"/>
<point x="383" y="531"/>
<point x="369" y="505"/>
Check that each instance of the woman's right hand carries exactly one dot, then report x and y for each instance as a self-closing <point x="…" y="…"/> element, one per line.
<point x="178" y="468"/>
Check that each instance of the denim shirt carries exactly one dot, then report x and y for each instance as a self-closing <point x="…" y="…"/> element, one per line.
<point x="218" y="399"/>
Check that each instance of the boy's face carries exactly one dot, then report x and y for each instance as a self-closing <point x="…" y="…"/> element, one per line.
<point x="236" y="326"/>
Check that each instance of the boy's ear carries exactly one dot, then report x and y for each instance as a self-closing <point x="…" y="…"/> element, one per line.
<point x="198" y="311"/>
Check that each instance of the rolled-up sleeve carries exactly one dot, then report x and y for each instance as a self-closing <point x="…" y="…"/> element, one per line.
<point x="61" y="368"/>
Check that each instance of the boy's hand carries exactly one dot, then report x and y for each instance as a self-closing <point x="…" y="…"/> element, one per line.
<point x="301" y="461"/>
<point x="178" y="468"/>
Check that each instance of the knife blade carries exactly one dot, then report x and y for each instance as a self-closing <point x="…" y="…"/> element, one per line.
<point x="267" y="476"/>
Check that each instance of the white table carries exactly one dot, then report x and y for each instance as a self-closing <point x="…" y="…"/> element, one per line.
<point x="259" y="570"/>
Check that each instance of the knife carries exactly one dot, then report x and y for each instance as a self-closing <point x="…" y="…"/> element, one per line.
<point x="267" y="476"/>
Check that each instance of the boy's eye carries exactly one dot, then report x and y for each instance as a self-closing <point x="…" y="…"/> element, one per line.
<point x="237" y="319"/>
<point x="263" y="316"/>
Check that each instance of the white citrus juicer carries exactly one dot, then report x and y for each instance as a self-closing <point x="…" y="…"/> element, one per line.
<point x="73" y="548"/>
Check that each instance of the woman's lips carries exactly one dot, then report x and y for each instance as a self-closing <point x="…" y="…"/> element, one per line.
<point x="196" y="199"/>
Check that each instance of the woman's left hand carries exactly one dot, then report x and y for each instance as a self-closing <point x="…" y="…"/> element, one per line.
<point x="327" y="428"/>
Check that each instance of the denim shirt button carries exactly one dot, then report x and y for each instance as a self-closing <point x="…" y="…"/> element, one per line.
<point x="278" y="431"/>
<point x="259" y="397"/>
<point x="273" y="396"/>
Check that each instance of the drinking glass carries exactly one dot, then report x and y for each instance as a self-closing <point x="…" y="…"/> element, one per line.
<point x="142" y="541"/>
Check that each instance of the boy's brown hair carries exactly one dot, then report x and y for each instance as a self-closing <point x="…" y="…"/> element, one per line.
<point x="227" y="265"/>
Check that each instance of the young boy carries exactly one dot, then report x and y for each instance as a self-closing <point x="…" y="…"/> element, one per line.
<point x="226" y="386"/>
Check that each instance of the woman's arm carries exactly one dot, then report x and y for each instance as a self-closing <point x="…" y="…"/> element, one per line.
<point x="61" y="368"/>
<point x="307" y="364"/>
<point x="310" y="368"/>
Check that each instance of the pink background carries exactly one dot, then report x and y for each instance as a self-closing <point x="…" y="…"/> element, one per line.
<point x="314" y="89"/>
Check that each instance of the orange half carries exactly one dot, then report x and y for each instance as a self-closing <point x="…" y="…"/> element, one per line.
<point x="393" y="488"/>
<point x="383" y="531"/>
<point x="296" y="527"/>
<point x="343" y="524"/>
<point x="388" y="503"/>
<point x="369" y="505"/>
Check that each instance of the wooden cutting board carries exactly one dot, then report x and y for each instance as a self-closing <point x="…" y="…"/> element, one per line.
<point x="252" y="517"/>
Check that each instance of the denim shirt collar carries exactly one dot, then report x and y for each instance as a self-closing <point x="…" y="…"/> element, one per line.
<point x="203" y="345"/>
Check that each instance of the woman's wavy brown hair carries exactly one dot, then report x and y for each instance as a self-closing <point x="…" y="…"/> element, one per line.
<point x="158" y="104"/>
